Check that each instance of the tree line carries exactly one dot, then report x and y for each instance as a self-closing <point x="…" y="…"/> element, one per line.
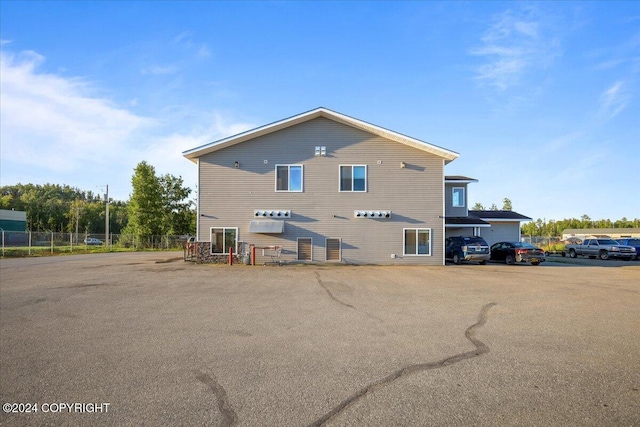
<point x="159" y="205"/>
<point x="553" y="228"/>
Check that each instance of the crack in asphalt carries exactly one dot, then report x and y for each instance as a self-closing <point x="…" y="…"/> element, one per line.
<point x="229" y="417"/>
<point x="469" y="333"/>
<point x="329" y="292"/>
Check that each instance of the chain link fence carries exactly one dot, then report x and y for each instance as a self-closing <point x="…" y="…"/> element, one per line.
<point x="20" y="243"/>
<point x="550" y="244"/>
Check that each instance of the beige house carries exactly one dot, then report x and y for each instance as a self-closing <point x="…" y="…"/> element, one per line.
<point x="323" y="187"/>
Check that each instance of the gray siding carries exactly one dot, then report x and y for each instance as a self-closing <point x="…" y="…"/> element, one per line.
<point x="228" y="195"/>
<point x="462" y="231"/>
<point x="501" y="232"/>
<point x="448" y="201"/>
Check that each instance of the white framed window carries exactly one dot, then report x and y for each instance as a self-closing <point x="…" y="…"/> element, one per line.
<point x="353" y="178"/>
<point x="457" y="197"/>
<point x="223" y="238"/>
<point x="417" y="241"/>
<point x="289" y="178"/>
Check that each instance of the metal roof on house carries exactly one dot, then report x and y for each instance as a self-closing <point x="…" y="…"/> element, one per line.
<point x="211" y="147"/>
<point x="465" y="221"/>
<point x="456" y="178"/>
<point x="492" y="215"/>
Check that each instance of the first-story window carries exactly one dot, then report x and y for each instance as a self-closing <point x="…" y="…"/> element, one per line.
<point x="289" y="178"/>
<point x="417" y="241"/>
<point x="353" y="178"/>
<point x="223" y="238"/>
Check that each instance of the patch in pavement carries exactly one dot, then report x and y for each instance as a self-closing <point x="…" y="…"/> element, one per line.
<point x="481" y="348"/>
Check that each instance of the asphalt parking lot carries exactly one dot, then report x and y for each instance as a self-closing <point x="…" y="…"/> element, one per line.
<point x="164" y="342"/>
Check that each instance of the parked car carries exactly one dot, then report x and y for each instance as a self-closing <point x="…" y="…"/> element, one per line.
<point x="92" y="241"/>
<point x="460" y="248"/>
<point x="601" y="248"/>
<point x="512" y="252"/>
<point x="633" y="243"/>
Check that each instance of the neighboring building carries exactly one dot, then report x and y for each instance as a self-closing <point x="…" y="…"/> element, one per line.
<point x="458" y="222"/>
<point x="492" y="225"/>
<point x="13" y="220"/>
<point x="613" y="233"/>
<point x="324" y="187"/>
<point x="504" y="225"/>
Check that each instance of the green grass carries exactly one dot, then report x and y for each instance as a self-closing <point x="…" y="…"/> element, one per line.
<point x="38" y="251"/>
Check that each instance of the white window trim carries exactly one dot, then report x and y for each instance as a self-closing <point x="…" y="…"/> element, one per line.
<point x="289" y="178"/>
<point x="298" y="246"/>
<point x="464" y="197"/>
<point x="224" y="229"/>
<point x="366" y="179"/>
<point x="404" y="243"/>
<point x="339" y="239"/>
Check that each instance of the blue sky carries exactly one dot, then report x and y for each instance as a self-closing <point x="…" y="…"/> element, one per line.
<point x="540" y="99"/>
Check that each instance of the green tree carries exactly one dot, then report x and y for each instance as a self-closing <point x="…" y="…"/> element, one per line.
<point x="145" y="209"/>
<point x="179" y="215"/>
<point x="158" y="205"/>
<point x="478" y="207"/>
<point x="494" y="207"/>
<point x="506" y="204"/>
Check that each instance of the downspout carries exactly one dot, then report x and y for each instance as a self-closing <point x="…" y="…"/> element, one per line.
<point x="444" y="221"/>
<point x="198" y="203"/>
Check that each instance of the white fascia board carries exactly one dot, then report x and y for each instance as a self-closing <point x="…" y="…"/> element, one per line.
<point x="194" y="153"/>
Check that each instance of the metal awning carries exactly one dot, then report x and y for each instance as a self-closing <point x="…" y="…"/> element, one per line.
<point x="266" y="226"/>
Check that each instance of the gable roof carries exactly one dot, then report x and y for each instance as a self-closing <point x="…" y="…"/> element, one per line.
<point x="211" y="147"/>
<point x="499" y="215"/>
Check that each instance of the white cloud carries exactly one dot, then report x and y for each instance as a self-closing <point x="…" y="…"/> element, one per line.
<point x="511" y="46"/>
<point x="53" y="122"/>
<point x="184" y="39"/>
<point x="614" y="100"/>
<point x="54" y="129"/>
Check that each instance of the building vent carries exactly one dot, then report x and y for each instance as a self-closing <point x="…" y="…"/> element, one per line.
<point x="372" y="214"/>
<point x="271" y="213"/>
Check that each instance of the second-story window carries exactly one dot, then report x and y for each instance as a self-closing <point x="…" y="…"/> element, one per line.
<point x="458" y="197"/>
<point x="289" y="178"/>
<point x="353" y="178"/>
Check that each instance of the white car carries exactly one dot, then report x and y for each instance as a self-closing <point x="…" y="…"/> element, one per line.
<point x="92" y="241"/>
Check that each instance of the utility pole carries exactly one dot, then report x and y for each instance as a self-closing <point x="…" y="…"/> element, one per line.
<point x="77" y="221"/>
<point x="106" y="224"/>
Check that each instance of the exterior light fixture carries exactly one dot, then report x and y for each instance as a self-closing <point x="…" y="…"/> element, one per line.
<point x="236" y="164"/>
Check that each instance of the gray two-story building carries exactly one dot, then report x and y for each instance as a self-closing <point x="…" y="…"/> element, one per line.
<point x="325" y="187"/>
